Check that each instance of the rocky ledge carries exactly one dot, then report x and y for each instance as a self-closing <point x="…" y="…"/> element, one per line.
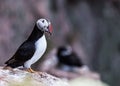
<point x="18" y="77"/>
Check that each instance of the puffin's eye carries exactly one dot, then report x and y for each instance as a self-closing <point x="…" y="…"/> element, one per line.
<point x="43" y="21"/>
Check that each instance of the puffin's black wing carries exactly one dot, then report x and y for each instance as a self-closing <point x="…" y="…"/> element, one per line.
<point x="74" y="60"/>
<point x="24" y="53"/>
<point x="71" y="60"/>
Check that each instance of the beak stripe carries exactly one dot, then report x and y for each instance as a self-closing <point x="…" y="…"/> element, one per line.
<point x="50" y="28"/>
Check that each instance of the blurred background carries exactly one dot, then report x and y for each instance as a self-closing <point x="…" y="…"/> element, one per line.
<point x="91" y="27"/>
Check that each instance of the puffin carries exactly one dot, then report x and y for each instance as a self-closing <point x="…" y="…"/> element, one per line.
<point x="31" y="50"/>
<point x="67" y="56"/>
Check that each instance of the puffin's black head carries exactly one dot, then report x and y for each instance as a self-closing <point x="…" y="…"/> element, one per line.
<point x="64" y="51"/>
<point x="44" y="25"/>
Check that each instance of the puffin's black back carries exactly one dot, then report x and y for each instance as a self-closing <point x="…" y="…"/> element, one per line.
<point x="71" y="59"/>
<point x="26" y="50"/>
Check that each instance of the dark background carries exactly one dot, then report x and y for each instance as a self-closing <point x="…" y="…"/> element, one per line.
<point x="91" y="27"/>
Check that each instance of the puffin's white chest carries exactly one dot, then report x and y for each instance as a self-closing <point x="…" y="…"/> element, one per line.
<point x="40" y="46"/>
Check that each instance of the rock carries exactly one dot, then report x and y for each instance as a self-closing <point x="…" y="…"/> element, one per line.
<point x="17" y="77"/>
<point x="85" y="81"/>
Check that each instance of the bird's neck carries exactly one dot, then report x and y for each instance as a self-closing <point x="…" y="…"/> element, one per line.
<point x="36" y="34"/>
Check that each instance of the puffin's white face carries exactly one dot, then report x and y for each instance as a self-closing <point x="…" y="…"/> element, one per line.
<point x="44" y="25"/>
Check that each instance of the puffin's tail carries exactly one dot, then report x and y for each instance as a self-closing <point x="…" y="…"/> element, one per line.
<point x="12" y="63"/>
<point x="7" y="65"/>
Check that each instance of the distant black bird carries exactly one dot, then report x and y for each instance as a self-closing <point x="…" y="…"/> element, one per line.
<point x="66" y="56"/>
<point x="33" y="48"/>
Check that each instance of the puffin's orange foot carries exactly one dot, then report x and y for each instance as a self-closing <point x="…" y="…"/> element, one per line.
<point x="31" y="70"/>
